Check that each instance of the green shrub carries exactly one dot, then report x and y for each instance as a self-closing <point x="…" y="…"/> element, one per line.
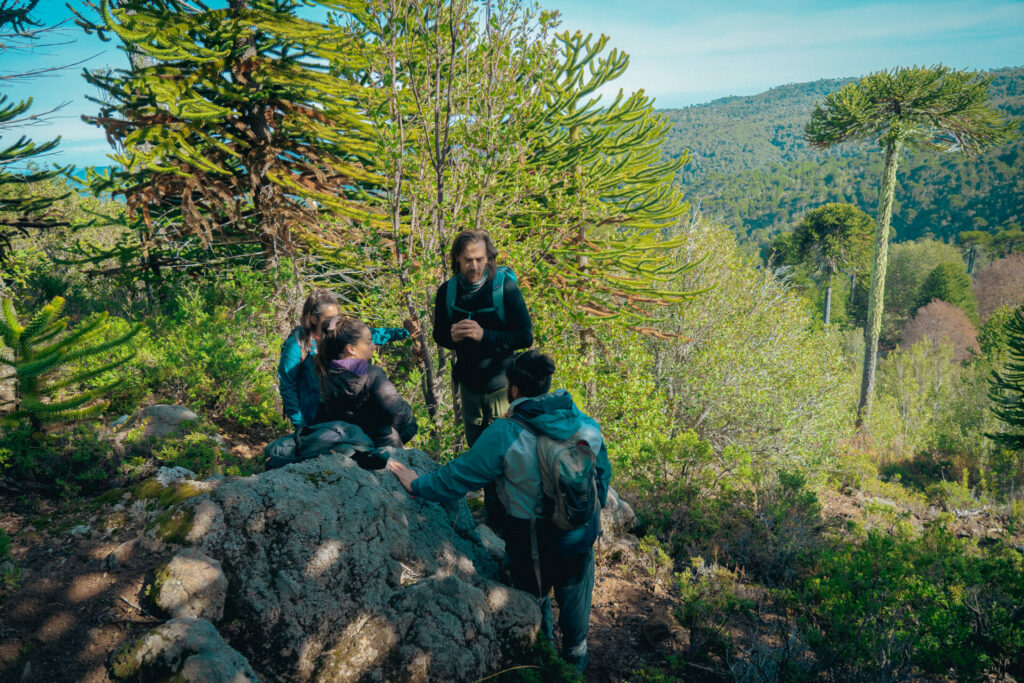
<point x="709" y="598"/>
<point x="217" y="350"/>
<point x="896" y="605"/>
<point x="77" y="461"/>
<point x="717" y="505"/>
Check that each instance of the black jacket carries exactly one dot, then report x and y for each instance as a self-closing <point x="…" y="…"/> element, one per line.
<point x="481" y="365"/>
<point x="369" y="401"/>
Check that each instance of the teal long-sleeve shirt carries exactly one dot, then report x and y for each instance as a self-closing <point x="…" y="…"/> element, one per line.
<point x="506" y="453"/>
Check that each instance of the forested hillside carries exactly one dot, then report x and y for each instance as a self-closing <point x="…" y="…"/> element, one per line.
<point x="751" y="168"/>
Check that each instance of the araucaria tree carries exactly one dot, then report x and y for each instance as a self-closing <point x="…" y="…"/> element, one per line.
<point x="231" y="124"/>
<point x="834" y="238"/>
<point x="1006" y="387"/>
<point x="40" y="356"/>
<point x="935" y="108"/>
<point x="486" y="120"/>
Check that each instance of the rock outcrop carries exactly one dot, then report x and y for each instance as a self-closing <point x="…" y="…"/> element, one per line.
<point x="617" y="517"/>
<point x="160" y="421"/>
<point x="187" y="650"/>
<point x="335" y="573"/>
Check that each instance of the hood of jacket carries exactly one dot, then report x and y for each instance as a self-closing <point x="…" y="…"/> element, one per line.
<point x="552" y="414"/>
<point x="348" y="377"/>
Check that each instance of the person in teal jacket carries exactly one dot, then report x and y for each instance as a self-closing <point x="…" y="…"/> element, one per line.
<point x="506" y="453"/>
<point x="299" y="381"/>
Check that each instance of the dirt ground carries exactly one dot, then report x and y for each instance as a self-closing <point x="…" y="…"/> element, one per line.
<point x="68" y="607"/>
<point x="70" y="592"/>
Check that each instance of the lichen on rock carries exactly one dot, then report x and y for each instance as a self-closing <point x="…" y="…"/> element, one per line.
<point x="186" y="649"/>
<point x="191" y="584"/>
<point x="336" y="573"/>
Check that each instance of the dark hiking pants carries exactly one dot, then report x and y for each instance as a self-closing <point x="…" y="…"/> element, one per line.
<point x="570" y="575"/>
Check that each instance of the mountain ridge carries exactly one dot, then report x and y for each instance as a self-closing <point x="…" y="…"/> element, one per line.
<point x="751" y="168"/>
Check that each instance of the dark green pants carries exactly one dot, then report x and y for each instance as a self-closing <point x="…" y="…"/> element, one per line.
<point x="478" y="411"/>
<point x="570" y="574"/>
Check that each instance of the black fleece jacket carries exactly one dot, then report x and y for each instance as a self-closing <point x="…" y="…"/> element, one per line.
<point x="480" y="365"/>
<point x="369" y="401"/>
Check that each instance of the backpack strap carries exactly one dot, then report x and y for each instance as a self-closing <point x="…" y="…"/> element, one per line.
<point x="498" y="292"/>
<point x="526" y="425"/>
<point x="450" y="294"/>
<point x="534" y="544"/>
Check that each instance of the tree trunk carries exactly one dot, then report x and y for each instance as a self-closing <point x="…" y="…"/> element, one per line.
<point x="828" y="297"/>
<point x="970" y="260"/>
<point x="876" y="293"/>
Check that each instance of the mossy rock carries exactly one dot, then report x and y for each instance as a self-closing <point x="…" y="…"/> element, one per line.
<point x="173" y="525"/>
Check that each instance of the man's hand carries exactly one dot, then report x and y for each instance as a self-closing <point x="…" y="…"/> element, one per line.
<point x="404" y="475"/>
<point x="467" y="330"/>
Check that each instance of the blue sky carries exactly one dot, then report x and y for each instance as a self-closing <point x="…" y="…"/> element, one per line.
<point x="682" y="51"/>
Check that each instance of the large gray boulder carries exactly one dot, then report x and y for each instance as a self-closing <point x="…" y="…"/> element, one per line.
<point x="617" y="517"/>
<point x="192" y="584"/>
<point x="335" y="573"/>
<point x="187" y="649"/>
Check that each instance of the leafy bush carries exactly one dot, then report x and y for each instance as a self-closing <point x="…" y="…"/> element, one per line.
<point x="709" y="597"/>
<point x="896" y="605"/>
<point x="752" y="368"/>
<point x="949" y="282"/>
<point x="217" y="350"/>
<point x="1001" y="284"/>
<point x="940" y="321"/>
<point x="77" y="461"/>
<point x="717" y="505"/>
<point x="932" y="408"/>
<point x="203" y="453"/>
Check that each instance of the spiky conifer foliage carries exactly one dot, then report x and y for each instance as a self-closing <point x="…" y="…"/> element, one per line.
<point x="834" y="238"/>
<point x="21" y="211"/>
<point x="230" y="125"/>
<point x="1006" y="387"/>
<point x="40" y="352"/>
<point x="600" y="224"/>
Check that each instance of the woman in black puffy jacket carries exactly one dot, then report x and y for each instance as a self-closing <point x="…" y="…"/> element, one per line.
<point x="357" y="392"/>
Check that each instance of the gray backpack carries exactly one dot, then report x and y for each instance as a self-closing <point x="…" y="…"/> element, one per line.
<point x="568" y="472"/>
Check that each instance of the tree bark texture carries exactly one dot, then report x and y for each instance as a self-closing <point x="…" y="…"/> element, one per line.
<point x="876" y="293"/>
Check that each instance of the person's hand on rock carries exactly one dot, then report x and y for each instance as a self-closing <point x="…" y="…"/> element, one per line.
<point x="404" y="475"/>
